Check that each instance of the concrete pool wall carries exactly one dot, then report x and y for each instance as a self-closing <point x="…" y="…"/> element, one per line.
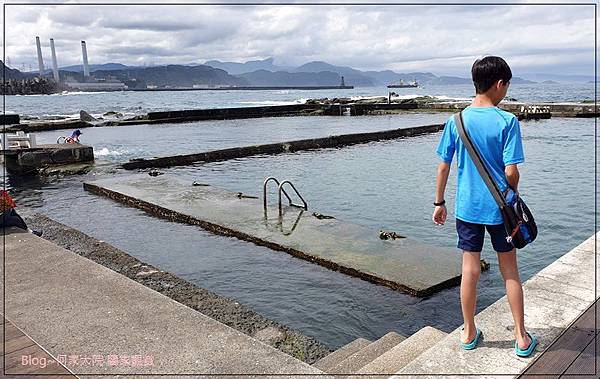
<point x="402" y="264"/>
<point x="282" y="147"/>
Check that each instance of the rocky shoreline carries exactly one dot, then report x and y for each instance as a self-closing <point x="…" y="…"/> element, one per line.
<point x="220" y="308"/>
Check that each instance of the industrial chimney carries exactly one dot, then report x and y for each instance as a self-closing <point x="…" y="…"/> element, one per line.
<point x="86" y="69"/>
<point x="54" y="64"/>
<point x="39" y="53"/>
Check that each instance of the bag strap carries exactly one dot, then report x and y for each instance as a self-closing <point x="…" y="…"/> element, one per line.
<point x="483" y="171"/>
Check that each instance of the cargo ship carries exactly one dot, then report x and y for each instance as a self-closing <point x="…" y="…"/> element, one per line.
<point x="402" y="84"/>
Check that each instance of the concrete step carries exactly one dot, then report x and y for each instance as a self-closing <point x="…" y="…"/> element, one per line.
<point x="330" y="361"/>
<point x="555" y="297"/>
<point x="403" y="353"/>
<point x="367" y="354"/>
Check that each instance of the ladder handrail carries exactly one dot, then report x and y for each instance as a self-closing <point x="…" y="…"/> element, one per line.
<point x="304" y="206"/>
<point x="267" y="180"/>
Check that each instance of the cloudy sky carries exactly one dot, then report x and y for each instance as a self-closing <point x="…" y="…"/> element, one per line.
<point x="438" y="39"/>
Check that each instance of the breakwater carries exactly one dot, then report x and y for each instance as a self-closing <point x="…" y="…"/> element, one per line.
<point x="29" y="86"/>
<point x="281" y="147"/>
<point x="242" y="88"/>
<point x="315" y="107"/>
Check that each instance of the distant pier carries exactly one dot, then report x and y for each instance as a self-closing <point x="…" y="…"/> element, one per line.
<point x="244" y="88"/>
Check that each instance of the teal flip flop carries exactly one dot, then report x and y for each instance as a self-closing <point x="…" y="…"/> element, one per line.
<point x="527" y="352"/>
<point x="471" y="345"/>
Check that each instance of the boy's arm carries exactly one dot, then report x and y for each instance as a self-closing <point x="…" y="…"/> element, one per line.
<point x="512" y="176"/>
<point x="440" y="213"/>
<point x="442" y="179"/>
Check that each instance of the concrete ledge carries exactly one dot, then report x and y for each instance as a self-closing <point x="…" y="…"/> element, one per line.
<point x="402" y="264"/>
<point x="554" y="298"/>
<point x="8" y="119"/>
<point x="73" y="306"/>
<point x="231" y="113"/>
<point x="579" y="110"/>
<point x="27" y="160"/>
<point x="42" y="126"/>
<point x="282" y="147"/>
<point x="220" y="308"/>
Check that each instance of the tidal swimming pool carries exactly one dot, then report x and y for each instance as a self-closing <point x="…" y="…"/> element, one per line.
<point x="383" y="185"/>
<point x="119" y="144"/>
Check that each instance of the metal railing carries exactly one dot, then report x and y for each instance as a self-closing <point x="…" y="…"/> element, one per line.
<point x="303" y="206"/>
<point x="280" y="190"/>
<point x="267" y="180"/>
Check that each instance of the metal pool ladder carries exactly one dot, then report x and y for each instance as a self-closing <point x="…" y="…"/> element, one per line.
<point x="280" y="190"/>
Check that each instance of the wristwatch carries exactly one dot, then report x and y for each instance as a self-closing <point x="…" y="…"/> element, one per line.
<point x="440" y="203"/>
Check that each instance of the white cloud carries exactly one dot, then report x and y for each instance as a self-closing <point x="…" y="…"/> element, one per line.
<point x="440" y="39"/>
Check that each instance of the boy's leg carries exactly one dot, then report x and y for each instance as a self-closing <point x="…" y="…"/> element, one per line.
<point x="514" y="293"/>
<point x="507" y="259"/>
<point x="470" y="241"/>
<point x="471" y="270"/>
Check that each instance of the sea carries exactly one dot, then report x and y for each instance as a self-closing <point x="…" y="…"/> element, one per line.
<point x="382" y="185"/>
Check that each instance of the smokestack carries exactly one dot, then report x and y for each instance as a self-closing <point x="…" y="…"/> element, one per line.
<point x="39" y="52"/>
<point x="54" y="64"/>
<point x="86" y="69"/>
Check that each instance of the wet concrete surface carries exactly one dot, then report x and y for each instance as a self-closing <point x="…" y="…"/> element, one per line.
<point x="402" y="264"/>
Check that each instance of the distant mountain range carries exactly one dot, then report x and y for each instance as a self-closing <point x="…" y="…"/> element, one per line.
<point x="235" y="68"/>
<point x="266" y="73"/>
<point x="12" y="73"/>
<point x="170" y="75"/>
<point x="96" y="67"/>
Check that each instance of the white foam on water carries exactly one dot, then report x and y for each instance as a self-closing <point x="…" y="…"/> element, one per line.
<point x="72" y="93"/>
<point x="105" y="152"/>
<point x="365" y="97"/>
<point x="442" y="97"/>
<point x="272" y="102"/>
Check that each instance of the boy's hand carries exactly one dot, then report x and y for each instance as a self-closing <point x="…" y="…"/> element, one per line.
<point x="439" y="215"/>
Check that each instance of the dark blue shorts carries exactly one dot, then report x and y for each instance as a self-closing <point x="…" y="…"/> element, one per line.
<point x="470" y="237"/>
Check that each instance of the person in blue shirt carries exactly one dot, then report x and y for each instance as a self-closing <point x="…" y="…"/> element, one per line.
<point x="497" y="136"/>
<point x="74" y="137"/>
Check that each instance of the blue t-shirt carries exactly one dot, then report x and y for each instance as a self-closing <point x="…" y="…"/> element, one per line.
<point x="497" y="136"/>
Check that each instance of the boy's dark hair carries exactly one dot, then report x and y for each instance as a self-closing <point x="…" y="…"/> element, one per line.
<point x="487" y="71"/>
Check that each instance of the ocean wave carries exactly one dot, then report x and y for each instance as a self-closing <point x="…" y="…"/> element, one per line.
<point x="105" y="152"/>
<point x="443" y="97"/>
<point x="273" y="102"/>
<point x="72" y="93"/>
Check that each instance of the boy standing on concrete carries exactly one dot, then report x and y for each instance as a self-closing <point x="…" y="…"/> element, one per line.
<point x="497" y="136"/>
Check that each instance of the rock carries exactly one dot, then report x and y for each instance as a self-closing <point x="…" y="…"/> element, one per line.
<point x="113" y="114"/>
<point x="240" y="195"/>
<point x="322" y="216"/>
<point x="389" y="235"/>
<point x="268" y="335"/>
<point x="155" y="173"/>
<point x="84" y="116"/>
<point x="143" y="274"/>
